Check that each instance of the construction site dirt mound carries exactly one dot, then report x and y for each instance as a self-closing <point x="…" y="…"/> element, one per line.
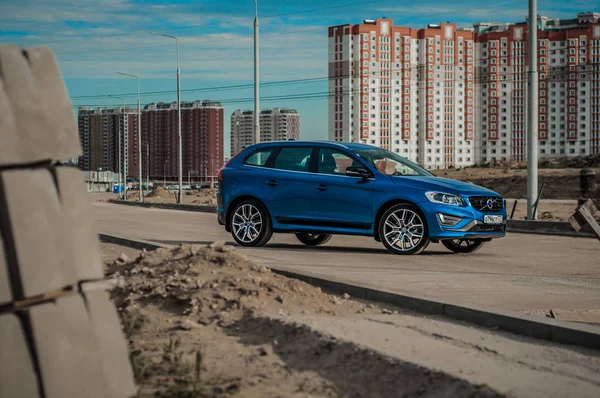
<point x="216" y="284"/>
<point x="159" y="192"/>
<point x="204" y="321"/>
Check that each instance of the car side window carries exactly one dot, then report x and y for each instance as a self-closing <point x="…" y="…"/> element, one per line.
<point x="293" y="159"/>
<point x="334" y="162"/>
<point x="259" y="158"/>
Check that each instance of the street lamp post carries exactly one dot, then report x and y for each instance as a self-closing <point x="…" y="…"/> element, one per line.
<point x="256" y="81"/>
<point x="180" y="145"/>
<point x="532" y="115"/>
<point x="139" y="112"/>
<point x="121" y="145"/>
<point x="165" y="173"/>
<point x="147" y="165"/>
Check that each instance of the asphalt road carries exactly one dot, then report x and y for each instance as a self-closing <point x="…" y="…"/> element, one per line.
<point x="519" y="272"/>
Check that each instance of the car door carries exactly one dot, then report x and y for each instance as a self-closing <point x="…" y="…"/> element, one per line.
<point x="290" y="185"/>
<point x="341" y="201"/>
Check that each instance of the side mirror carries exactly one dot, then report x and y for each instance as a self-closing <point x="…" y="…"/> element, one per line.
<point x="358" y="172"/>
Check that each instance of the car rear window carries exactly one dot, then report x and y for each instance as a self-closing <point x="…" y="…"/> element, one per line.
<point x="259" y="158"/>
<point x="293" y="159"/>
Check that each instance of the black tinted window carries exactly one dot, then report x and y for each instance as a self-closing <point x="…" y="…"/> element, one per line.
<point x="259" y="158"/>
<point x="293" y="159"/>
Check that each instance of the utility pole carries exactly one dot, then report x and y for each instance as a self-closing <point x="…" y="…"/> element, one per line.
<point x="180" y="144"/>
<point x="139" y="123"/>
<point x="532" y="114"/>
<point x="256" y="95"/>
<point x="165" y="173"/>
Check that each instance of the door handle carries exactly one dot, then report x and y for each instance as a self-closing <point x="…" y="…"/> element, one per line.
<point x="272" y="183"/>
<point x="321" y="187"/>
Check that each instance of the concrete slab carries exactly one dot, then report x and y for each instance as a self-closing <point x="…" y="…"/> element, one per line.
<point x="5" y="288"/>
<point x="9" y="150"/>
<point x="57" y="354"/>
<point x="80" y="224"/>
<point x="85" y="353"/>
<point x="38" y="231"/>
<point x="35" y="140"/>
<point x="17" y="373"/>
<point x="112" y="345"/>
<point x="62" y="126"/>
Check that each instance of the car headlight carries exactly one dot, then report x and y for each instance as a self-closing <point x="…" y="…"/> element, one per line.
<point x="445" y="198"/>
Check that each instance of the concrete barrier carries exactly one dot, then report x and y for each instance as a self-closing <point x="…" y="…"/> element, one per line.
<point x="510" y="321"/>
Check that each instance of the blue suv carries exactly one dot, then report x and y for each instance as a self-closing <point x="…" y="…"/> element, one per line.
<point x="317" y="189"/>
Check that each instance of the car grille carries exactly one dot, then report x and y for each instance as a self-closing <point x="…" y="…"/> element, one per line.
<point x="480" y="203"/>
<point x="488" y="228"/>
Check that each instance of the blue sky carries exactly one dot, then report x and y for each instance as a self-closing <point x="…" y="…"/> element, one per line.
<point x="94" y="39"/>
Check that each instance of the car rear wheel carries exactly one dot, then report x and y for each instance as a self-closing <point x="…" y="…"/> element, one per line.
<point x="463" y="245"/>
<point x="313" y="239"/>
<point x="250" y="224"/>
<point x="403" y="230"/>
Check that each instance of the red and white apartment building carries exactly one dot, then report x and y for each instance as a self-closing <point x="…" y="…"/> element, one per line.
<point x="444" y="96"/>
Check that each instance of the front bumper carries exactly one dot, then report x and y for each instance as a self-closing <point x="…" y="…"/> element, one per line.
<point x="471" y="224"/>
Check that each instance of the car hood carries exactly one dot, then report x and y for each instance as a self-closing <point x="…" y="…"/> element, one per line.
<point x="445" y="185"/>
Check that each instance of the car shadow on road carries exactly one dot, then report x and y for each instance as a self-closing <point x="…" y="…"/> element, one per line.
<point x="302" y="248"/>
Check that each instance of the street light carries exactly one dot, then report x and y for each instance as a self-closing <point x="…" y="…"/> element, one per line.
<point x="139" y="131"/>
<point x="165" y="173"/>
<point x="256" y="99"/>
<point x="178" y="113"/>
<point x="121" y="177"/>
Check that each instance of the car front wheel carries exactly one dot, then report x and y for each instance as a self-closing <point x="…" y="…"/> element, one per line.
<point x="313" y="239"/>
<point x="463" y="245"/>
<point x="403" y="230"/>
<point x="250" y="224"/>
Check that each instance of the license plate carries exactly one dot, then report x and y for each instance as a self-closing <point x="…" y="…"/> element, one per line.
<point x="492" y="219"/>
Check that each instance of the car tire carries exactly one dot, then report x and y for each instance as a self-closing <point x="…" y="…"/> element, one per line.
<point x="313" y="239"/>
<point x="457" y="246"/>
<point x="250" y="224"/>
<point x="404" y="223"/>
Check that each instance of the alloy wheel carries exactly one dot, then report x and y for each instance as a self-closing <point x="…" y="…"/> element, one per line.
<point x="247" y="223"/>
<point x="403" y="229"/>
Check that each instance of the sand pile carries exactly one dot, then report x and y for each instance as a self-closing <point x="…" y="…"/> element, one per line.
<point x="215" y="284"/>
<point x="159" y="192"/>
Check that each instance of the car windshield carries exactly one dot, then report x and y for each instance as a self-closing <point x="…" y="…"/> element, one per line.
<point x="391" y="164"/>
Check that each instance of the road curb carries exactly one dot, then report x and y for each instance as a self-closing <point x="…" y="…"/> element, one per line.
<point x="516" y="226"/>
<point x="544" y="329"/>
<point x="558" y="228"/>
<point x="169" y="206"/>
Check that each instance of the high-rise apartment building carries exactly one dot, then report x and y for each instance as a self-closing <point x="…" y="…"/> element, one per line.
<point x="444" y="96"/>
<point x="569" y="87"/>
<point x="202" y="135"/>
<point x="103" y="134"/>
<point x="277" y="124"/>
<point x="201" y="130"/>
<point x="407" y="90"/>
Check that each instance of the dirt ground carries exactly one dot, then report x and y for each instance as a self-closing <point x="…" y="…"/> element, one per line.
<point x="512" y="183"/>
<point x="201" y="321"/>
<point x="202" y="197"/>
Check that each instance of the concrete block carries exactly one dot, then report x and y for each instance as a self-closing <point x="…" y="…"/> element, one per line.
<point x="37" y="227"/>
<point x="9" y="150"/>
<point x="57" y="354"/>
<point x="17" y="373"/>
<point x="85" y="252"/>
<point x="35" y="140"/>
<point x="62" y="127"/>
<point x="5" y="288"/>
<point x="112" y="345"/>
<point x="85" y="353"/>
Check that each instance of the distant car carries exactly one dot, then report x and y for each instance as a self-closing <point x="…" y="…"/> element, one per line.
<point x="318" y="189"/>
